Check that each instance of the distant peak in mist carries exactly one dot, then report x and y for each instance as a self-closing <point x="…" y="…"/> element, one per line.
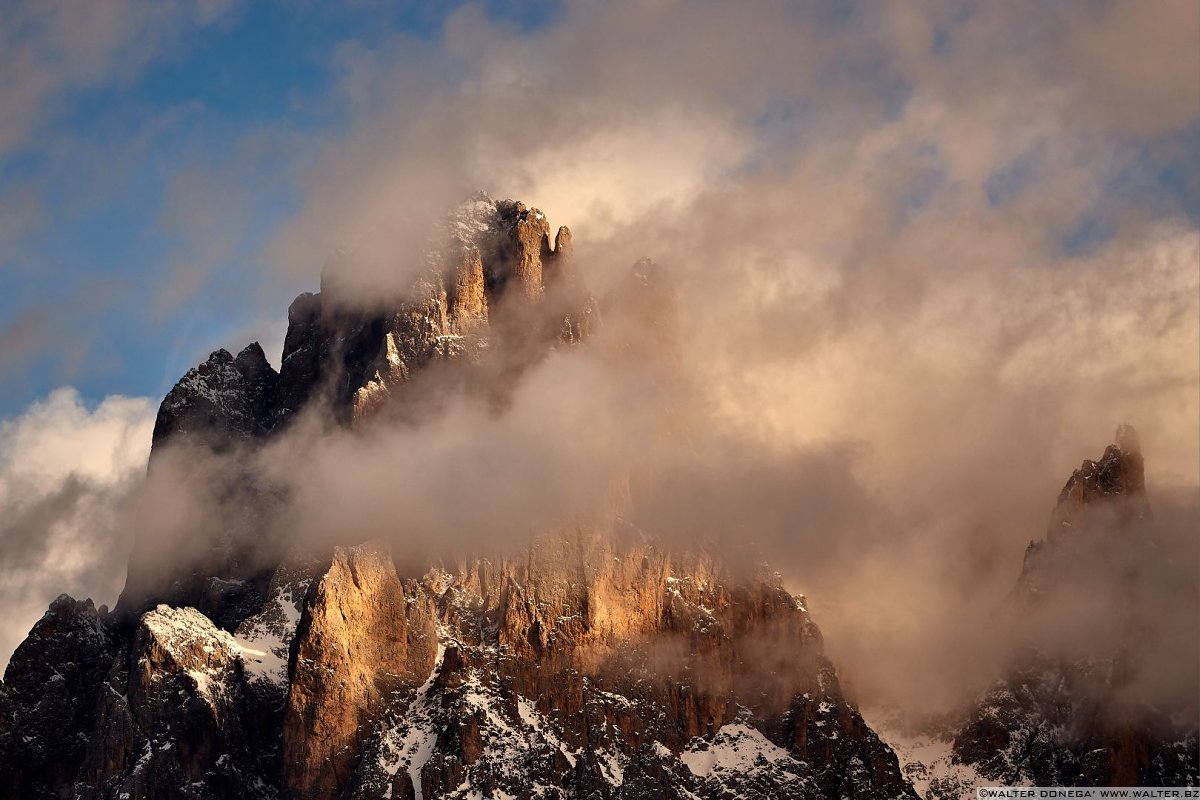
<point x="1116" y="484"/>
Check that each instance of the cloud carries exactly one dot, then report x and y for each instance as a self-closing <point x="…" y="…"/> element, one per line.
<point x="66" y="473"/>
<point x="48" y="49"/>
<point x="923" y="269"/>
<point x="924" y="265"/>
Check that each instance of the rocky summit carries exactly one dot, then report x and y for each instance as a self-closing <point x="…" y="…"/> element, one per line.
<point x="1103" y="626"/>
<point x="1077" y="706"/>
<point x="594" y="661"/>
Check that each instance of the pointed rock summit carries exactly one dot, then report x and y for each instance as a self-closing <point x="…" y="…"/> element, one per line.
<point x="1110" y="491"/>
<point x="1096" y="624"/>
<point x="591" y="662"/>
<point x="220" y="402"/>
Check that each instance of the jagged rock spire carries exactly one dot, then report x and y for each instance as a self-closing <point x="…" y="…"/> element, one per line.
<point x="595" y="662"/>
<point x="1111" y="490"/>
<point x="1085" y="628"/>
<point x="1127" y="440"/>
<point x="222" y="400"/>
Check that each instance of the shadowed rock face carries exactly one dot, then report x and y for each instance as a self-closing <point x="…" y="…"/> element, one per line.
<point x="220" y="402"/>
<point x="171" y="715"/>
<point x="1090" y="608"/>
<point x="1114" y="486"/>
<point x="592" y="663"/>
<point x="49" y="692"/>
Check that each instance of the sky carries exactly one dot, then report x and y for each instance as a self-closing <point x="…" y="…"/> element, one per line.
<point x="149" y="156"/>
<point x="148" y="153"/>
<point x="929" y="256"/>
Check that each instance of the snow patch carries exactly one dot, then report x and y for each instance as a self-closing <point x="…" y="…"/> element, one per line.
<point x="735" y="748"/>
<point x="263" y="640"/>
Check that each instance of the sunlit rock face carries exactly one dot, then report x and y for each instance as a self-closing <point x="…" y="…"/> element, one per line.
<point x="482" y="290"/>
<point x="348" y="349"/>
<point x="363" y="644"/>
<point x="593" y="663"/>
<point x="591" y="660"/>
<point x="599" y="664"/>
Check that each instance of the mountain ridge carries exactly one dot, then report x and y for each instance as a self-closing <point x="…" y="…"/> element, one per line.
<point x="1073" y="702"/>
<point x="593" y="661"/>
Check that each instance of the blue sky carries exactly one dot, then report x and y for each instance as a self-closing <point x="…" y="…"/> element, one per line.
<point x="144" y="184"/>
<point x="95" y="289"/>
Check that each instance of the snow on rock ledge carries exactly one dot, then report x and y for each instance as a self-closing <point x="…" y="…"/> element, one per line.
<point x="740" y="761"/>
<point x="184" y="641"/>
<point x="265" y="638"/>
<point x="736" y="747"/>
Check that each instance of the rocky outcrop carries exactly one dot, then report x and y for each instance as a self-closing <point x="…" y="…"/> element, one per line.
<point x="594" y="663"/>
<point x="489" y="258"/>
<point x="1076" y="704"/>
<point x="170" y="716"/>
<point x="467" y="298"/>
<point x="349" y="353"/>
<point x="1105" y="493"/>
<point x="222" y="401"/>
<point x="50" y="690"/>
<point x="1066" y="724"/>
<point x="522" y="253"/>
<point x="363" y="645"/>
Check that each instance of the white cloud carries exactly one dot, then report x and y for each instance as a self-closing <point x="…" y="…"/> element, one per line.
<point x="51" y="47"/>
<point x="66" y="473"/>
<point x="870" y="218"/>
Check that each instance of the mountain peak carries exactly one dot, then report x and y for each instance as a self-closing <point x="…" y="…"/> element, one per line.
<point x="594" y="661"/>
<point x="1111" y="490"/>
<point x="219" y="401"/>
<point x="1127" y="440"/>
<point x="1097" y="583"/>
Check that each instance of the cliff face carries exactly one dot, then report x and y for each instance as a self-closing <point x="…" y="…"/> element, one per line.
<point x="601" y="665"/>
<point x="363" y="645"/>
<point x="1097" y="682"/>
<point x="593" y="662"/>
<point x="594" y="665"/>
<point x="1107" y="493"/>
<point x="1091" y="617"/>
